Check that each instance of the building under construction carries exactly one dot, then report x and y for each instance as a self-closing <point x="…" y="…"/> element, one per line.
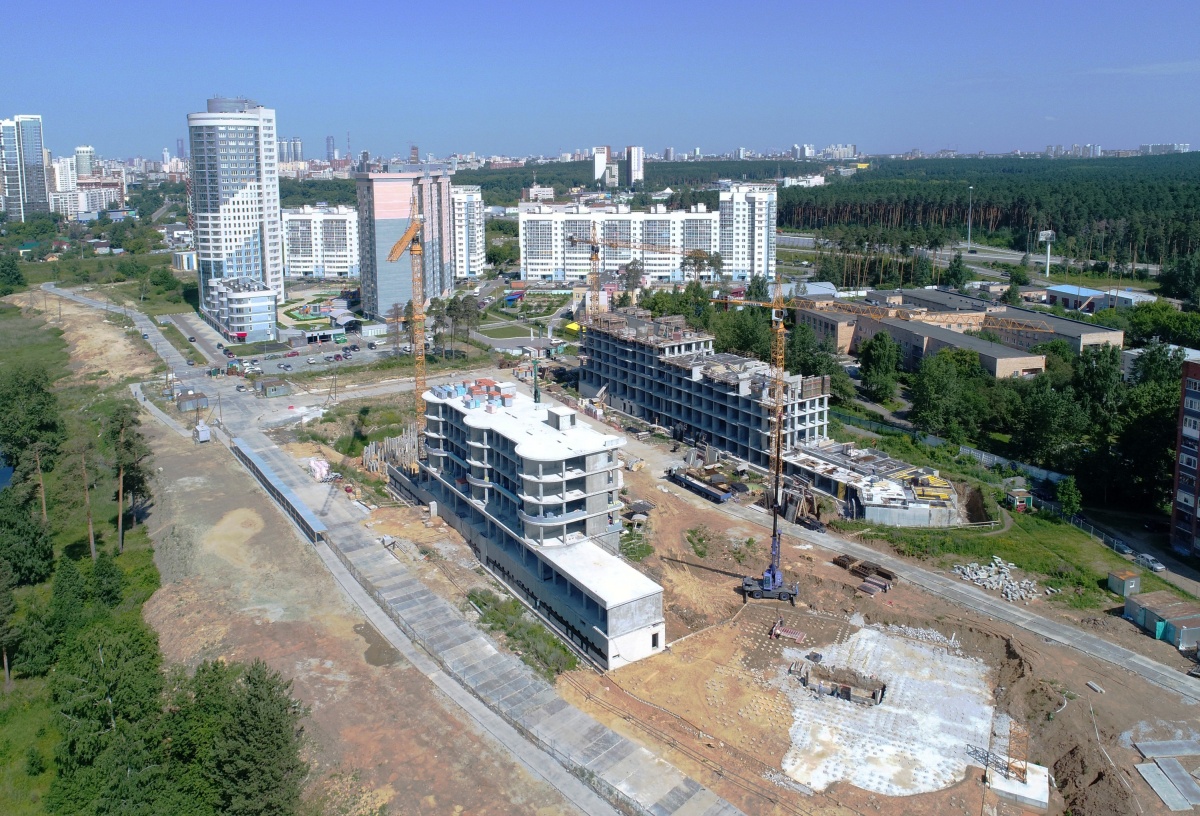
<point x="667" y="374"/>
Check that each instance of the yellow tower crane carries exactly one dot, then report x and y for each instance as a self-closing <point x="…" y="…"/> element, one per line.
<point x="411" y="241"/>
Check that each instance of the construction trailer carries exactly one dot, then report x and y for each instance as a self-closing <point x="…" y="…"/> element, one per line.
<point x="1165" y="616"/>
<point x="699" y="484"/>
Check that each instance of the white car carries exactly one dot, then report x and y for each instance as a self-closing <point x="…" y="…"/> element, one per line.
<point x="312" y="360"/>
<point x="1149" y="562"/>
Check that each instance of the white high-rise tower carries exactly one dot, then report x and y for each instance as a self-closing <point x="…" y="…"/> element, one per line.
<point x="235" y="206"/>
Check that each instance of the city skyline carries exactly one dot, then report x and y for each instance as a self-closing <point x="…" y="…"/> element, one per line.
<point x="889" y="78"/>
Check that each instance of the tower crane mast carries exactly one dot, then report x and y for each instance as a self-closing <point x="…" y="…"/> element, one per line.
<point x="411" y="241"/>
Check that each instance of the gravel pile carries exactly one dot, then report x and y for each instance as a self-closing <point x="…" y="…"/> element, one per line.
<point x="925" y="635"/>
<point x="998" y="576"/>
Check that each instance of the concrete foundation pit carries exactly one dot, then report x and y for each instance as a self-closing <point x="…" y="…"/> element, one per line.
<point x="938" y="706"/>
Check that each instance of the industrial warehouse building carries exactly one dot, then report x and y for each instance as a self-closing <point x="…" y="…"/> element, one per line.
<point x="537" y="497"/>
<point x="1166" y="616"/>
<point x="663" y="372"/>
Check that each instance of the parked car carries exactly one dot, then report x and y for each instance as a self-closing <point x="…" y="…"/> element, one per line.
<point x="271" y="357"/>
<point x="1122" y="547"/>
<point x="287" y="367"/>
<point x="1149" y="562"/>
<point x="240" y="388"/>
<point x="191" y="362"/>
<point x="191" y="339"/>
<point x="145" y="336"/>
<point x="282" y="366"/>
<point x="371" y="346"/>
<point x="292" y="354"/>
<point x="354" y="347"/>
<point x="329" y="358"/>
<point x="220" y="345"/>
<point x="337" y="358"/>
<point x="312" y="360"/>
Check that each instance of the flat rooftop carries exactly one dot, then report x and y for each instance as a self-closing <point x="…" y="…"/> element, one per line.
<point x="958" y="339"/>
<point x="829" y="314"/>
<point x="612" y="581"/>
<point x="525" y="423"/>
<point x="1061" y="325"/>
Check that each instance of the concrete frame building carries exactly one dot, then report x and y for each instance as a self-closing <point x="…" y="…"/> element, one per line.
<point x="1185" y="525"/>
<point x="235" y="207"/>
<point x="537" y="496"/>
<point x="64" y="174"/>
<point x="919" y="340"/>
<point x="384" y="212"/>
<point x="747" y="230"/>
<point x="601" y="156"/>
<point x="320" y="242"/>
<point x="24" y="175"/>
<point x="547" y="252"/>
<point x="663" y="372"/>
<point x="470" y="245"/>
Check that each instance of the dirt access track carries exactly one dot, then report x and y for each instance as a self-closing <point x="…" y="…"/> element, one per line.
<point x="720" y="706"/>
<point x="238" y="583"/>
<point x="99" y="349"/>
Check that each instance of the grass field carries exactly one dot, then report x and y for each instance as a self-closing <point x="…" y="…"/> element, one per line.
<point x="505" y="332"/>
<point x="1065" y="558"/>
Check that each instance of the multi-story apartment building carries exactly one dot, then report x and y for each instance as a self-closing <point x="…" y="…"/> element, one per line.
<point x="667" y="374"/>
<point x="64" y="174"/>
<point x="24" y="187"/>
<point x="235" y="202"/>
<point x="747" y="235"/>
<point x="384" y="212"/>
<point x="601" y="156"/>
<point x="635" y="165"/>
<point x="470" y="246"/>
<point x="320" y="242"/>
<point x="244" y="308"/>
<point x="536" y="494"/>
<point x="1185" y="524"/>
<point x="548" y="252"/>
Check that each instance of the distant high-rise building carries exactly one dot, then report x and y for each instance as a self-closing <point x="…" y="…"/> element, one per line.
<point x="1185" y="515"/>
<point x="24" y="187"/>
<point x="600" y="159"/>
<point x="166" y="158"/>
<point x="696" y="153"/>
<point x="669" y="154"/>
<point x="797" y="152"/>
<point x="470" y="247"/>
<point x="297" y="149"/>
<point x="635" y="163"/>
<point x="331" y="152"/>
<point x="1163" y="149"/>
<point x="283" y="149"/>
<point x="747" y="230"/>
<point x="181" y="149"/>
<point x="85" y="160"/>
<point x="235" y="206"/>
<point x="741" y="153"/>
<point x="64" y="174"/>
<point x="810" y="151"/>
<point x="384" y="213"/>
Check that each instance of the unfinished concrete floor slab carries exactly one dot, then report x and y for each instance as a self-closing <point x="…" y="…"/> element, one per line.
<point x="937" y="706"/>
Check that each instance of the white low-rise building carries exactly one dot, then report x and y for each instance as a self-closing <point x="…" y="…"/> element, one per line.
<point x="320" y="242"/>
<point x="241" y="309"/>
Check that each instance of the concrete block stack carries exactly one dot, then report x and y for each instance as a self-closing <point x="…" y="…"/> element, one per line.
<point x="997" y="576"/>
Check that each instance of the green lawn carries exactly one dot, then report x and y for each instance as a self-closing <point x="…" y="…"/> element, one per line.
<point x="505" y="332"/>
<point x="1065" y="558"/>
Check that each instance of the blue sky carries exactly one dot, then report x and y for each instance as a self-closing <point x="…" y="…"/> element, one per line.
<point x="540" y="77"/>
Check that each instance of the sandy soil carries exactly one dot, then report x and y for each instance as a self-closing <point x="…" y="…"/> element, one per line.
<point x="99" y="349"/>
<point x="708" y="703"/>
<point x="239" y="584"/>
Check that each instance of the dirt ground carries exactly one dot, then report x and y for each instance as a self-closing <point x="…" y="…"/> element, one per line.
<point x="709" y="704"/>
<point x="239" y="584"/>
<point x="98" y="348"/>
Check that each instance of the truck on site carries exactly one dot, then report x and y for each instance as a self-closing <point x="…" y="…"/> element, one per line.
<point x="685" y="478"/>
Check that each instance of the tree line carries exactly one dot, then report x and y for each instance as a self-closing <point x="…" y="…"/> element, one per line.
<point x="131" y="735"/>
<point x="1142" y="209"/>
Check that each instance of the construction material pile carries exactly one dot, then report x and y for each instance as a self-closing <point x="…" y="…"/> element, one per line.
<point x="998" y="576"/>
<point x="924" y="635"/>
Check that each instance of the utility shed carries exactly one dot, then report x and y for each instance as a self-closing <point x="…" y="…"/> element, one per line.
<point x="1165" y="616"/>
<point x="1125" y="583"/>
<point x="191" y="401"/>
<point x="1020" y="500"/>
<point x="271" y="387"/>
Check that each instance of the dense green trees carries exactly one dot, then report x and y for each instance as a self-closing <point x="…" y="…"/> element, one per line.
<point x="296" y="193"/>
<point x="1144" y="208"/>
<point x="11" y="277"/>
<point x="879" y="365"/>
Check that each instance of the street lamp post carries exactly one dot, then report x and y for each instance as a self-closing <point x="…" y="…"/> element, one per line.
<point x="970" y="212"/>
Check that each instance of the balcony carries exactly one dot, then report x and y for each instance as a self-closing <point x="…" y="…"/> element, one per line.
<point x="547" y="520"/>
<point x="479" y="482"/>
